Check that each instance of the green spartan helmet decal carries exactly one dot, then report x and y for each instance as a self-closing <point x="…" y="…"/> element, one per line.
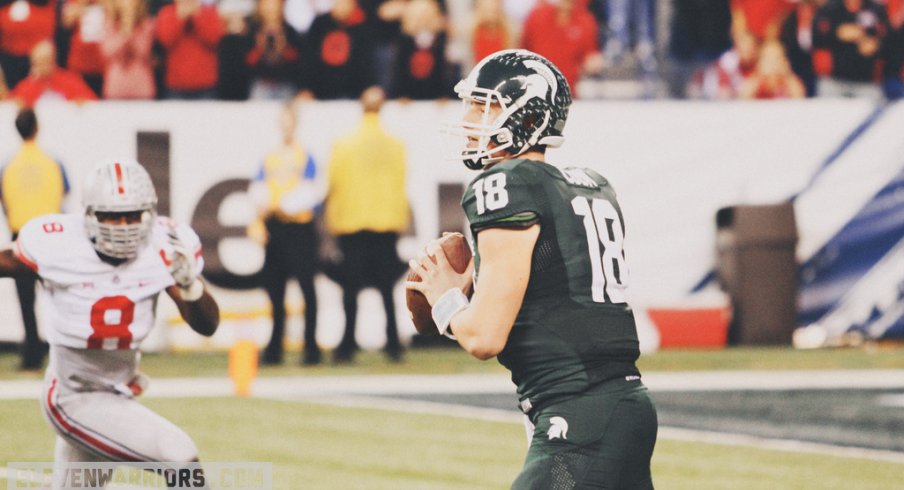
<point x="535" y="99"/>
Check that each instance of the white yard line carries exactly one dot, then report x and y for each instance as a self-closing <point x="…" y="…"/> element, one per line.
<point x="775" y="380"/>
<point x="268" y="387"/>
<point x="786" y="445"/>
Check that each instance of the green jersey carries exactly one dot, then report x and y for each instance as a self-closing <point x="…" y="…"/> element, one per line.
<point x="574" y="329"/>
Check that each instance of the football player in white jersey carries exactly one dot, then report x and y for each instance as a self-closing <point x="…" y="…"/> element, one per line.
<point x="101" y="274"/>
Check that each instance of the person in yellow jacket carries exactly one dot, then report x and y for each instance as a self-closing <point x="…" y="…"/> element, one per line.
<point x="31" y="184"/>
<point x="366" y="209"/>
<point x="287" y="196"/>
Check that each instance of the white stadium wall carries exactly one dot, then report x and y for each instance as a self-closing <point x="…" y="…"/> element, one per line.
<point x="673" y="165"/>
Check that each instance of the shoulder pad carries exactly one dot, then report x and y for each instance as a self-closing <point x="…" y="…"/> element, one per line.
<point x="50" y="237"/>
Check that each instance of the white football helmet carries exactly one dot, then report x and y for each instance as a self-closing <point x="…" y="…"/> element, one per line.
<point x="119" y="186"/>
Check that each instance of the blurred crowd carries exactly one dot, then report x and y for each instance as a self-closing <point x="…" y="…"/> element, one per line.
<point x="764" y="49"/>
<point x="417" y="49"/>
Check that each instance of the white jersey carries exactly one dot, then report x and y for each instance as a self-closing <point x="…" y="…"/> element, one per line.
<point x="87" y="303"/>
<point x="95" y="315"/>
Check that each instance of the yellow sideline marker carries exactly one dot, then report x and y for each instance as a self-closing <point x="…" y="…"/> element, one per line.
<point x="243" y="359"/>
<point x="243" y="365"/>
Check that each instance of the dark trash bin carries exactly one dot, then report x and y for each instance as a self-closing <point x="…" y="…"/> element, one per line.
<point x="757" y="267"/>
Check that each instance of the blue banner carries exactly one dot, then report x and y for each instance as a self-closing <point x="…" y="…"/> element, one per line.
<point x="856" y="280"/>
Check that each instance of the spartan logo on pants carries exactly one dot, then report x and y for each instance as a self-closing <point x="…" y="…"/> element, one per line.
<point x="558" y="428"/>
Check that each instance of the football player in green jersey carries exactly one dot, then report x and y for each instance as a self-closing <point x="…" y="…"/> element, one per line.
<point x="549" y="283"/>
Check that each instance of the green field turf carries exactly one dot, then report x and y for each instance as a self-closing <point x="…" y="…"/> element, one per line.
<point x="323" y="447"/>
<point x="454" y="361"/>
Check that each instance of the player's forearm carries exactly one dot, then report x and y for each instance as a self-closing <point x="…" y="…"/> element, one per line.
<point x="11" y="266"/>
<point x="7" y="263"/>
<point x="203" y="315"/>
<point x="482" y="329"/>
<point x="483" y="341"/>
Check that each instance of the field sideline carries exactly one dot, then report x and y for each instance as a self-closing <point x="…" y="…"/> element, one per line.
<point x="455" y="361"/>
<point x="333" y="440"/>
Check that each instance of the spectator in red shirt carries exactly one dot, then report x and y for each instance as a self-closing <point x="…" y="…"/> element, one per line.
<point x="491" y="31"/>
<point x="46" y="80"/>
<point x="762" y="18"/>
<point x="772" y="78"/>
<point x="23" y="24"/>
<point x="566" y="34"/>
<point x="85" y="19"/>
<point x="126" y="48"/>
<point x="190" y="33"/>
<point x="895" y="12"/>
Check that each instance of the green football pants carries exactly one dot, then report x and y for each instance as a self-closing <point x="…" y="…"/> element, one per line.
<point x="602" y="439"/>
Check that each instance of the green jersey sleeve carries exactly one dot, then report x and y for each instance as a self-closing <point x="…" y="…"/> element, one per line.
<point x="502" y="197"/>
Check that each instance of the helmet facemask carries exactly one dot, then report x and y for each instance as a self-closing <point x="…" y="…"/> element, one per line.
<point x="119" y="240"/>
<point x="114" y="189"/>
<point x="476" y="151"/>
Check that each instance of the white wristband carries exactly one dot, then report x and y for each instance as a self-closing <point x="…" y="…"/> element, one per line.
<point x="450" y="303"/>
<point x="193" y="292"/>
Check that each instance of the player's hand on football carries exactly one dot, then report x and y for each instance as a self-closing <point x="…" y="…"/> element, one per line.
<point x="437" y="275"/>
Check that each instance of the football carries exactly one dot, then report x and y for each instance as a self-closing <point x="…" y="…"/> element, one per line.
<point x="459" y="255"/>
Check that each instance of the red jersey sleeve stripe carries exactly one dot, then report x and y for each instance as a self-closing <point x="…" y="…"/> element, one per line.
<point x="20" y="254"/>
